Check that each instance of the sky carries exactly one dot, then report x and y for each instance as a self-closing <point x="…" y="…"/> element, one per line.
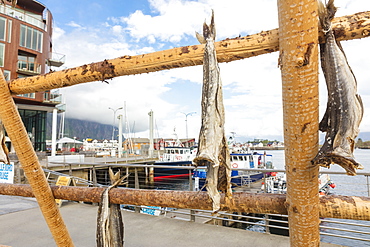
<point x="91" y="31"/>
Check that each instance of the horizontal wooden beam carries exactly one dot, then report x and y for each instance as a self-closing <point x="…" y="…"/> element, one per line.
<point x="333" y="206"/>
<point x="346" y="28"/>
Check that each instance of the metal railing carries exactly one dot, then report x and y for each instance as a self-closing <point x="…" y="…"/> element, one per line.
<point x="23" y="15"/>
<point x="56" y="59"/>
<point x="28" y="68"/>
<point x="55" y="98"/>
<point x="356" y="232"/>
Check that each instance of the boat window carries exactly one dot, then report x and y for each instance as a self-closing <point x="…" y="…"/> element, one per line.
<point x="181" y="151"/>
<point x="172" y="151"/>
<point x="176" y="151"/>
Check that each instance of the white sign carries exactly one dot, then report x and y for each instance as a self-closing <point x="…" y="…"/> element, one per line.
<point x="7" y="173"/>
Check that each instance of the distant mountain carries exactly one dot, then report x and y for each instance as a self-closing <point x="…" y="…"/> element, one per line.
<point x="81" y="129"/>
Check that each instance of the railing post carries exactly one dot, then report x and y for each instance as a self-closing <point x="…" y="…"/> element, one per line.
<point x="95" y="182"/>
<point x="137" y="186"/>
<point x="267" y="221"/>
<point x="298" y="45"/>
<point x="191" y="188"/>
<point x="70" y="169"/>
<point x="368" y="185"/>
<point x="127" y="172"/>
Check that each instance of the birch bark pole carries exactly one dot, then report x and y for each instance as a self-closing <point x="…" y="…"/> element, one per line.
<point x="31" y="166"/>
<point x="330" y="206"/>
<point x="298" y="39"/>
<point x="349" y="27"/>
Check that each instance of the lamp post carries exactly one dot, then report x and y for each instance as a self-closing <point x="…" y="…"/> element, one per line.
<point x="186" y="122"/>
<point x="114" y="118"/>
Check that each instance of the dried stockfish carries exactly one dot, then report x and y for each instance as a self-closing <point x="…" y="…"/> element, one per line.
<point x="344" y="108"/>
<point x="213" y="151"/>
<point x="110" y="229"/>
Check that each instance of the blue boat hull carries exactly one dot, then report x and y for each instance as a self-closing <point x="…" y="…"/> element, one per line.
<point x="236" y="179"/>
<point x="161" y="174"/>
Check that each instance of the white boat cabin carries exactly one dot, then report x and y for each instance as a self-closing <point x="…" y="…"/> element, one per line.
<point x="251" y="160"/>
<point x="174" y="154"/>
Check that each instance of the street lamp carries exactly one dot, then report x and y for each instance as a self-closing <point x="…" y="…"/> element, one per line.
<point x="186" y="121"/>
<point x="114" y="118"/>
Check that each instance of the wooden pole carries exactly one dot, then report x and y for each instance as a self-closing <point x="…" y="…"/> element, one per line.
<point x="345" y="28"/>
<point x="298" y="35"/>
<point x="333" y="206"/>
<point x="31" y="166"/>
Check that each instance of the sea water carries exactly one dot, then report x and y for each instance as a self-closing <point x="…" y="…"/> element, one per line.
<point x="347" y="186"/>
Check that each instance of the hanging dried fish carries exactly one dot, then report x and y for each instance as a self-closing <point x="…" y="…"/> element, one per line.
<point x="344" y="108"/>
<point x="110" y="229"/>
<point x="3" y="149"/>
<point x="213" y="151"/>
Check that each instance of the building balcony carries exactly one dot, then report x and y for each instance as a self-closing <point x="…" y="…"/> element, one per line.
<point x="33" y="19"/>
<point x="56" y="59"/>
<point x="54" y="98"/>
<point x="28" y="68"/>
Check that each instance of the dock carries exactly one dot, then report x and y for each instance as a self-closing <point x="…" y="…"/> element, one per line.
<point x="24" y="225"/>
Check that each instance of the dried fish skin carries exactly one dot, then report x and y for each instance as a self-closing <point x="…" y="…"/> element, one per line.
<point x="344" y="110"/>
<point x="4" y="158"/>
<point x="213" y="151"/>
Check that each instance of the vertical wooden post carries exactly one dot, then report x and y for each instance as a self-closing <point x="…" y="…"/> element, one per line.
<point x="31" y="166"/>
<point x="298" y="38"/>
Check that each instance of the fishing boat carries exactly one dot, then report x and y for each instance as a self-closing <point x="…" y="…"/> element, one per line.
<point x="239" y="161"/>
<point x="174" y="157"/>
<point x="277" y="184"/>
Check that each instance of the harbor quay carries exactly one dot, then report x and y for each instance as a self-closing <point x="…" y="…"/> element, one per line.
<point x="23" y="225"/>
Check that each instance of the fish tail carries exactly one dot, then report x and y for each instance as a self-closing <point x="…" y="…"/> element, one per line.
<point x="209" y="31"/>
<point x="326" y="14"/>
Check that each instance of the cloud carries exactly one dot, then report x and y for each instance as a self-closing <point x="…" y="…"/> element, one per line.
<point x="252" y="87"/>
<point x="74" y="24"/>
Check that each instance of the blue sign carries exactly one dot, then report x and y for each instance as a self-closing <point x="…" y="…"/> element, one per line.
<point x="7" y="173"/>
<point x="151" y="210"/>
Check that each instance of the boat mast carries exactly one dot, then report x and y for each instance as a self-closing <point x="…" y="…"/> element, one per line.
<point x="151" y="131"/>
<point x="128" y="134"/>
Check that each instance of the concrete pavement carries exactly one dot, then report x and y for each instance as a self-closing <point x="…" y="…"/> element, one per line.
<point x="22" y="225"/>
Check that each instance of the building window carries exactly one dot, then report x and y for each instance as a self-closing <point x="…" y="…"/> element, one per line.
<point x="2" y="28"/>
<point x="28" y="63"/>
<point x="30" y="38"/>
<point x="5" y="29"/>
<point x="7" y="75"/>
<point x="2" y="52"/>
<point x="35" y="124"/>
<point x="27" y="95"/>
<point x="10" y="31"/>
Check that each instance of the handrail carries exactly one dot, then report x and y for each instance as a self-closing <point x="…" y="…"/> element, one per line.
<point x="195" y="167"/>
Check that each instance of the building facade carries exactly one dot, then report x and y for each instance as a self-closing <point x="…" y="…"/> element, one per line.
<point x="26" y="50"/>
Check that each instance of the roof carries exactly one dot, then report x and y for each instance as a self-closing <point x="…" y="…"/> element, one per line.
<point x="68" y="140"/>
<point x="138" y="140"/>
